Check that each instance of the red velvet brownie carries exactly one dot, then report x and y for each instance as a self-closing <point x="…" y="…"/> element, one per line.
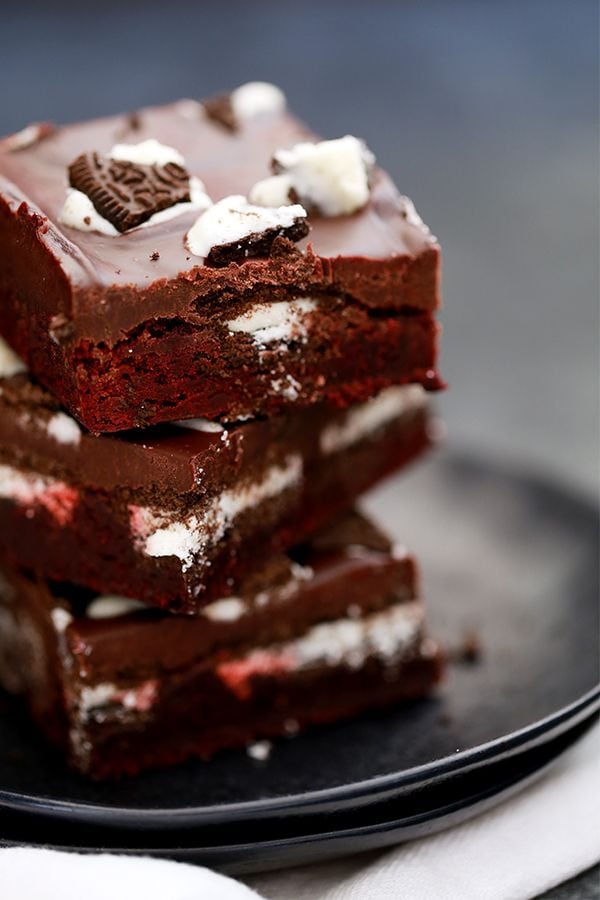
<point x="174" y="515"/>
<point x="331" y="629"/>
<point x="152" y="269"/>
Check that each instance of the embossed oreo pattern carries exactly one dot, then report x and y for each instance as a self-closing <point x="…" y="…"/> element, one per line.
<point x="126" y="193"/>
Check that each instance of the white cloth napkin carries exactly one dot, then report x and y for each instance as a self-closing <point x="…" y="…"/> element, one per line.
<point x="32" y="874"/>
<point x="541" y="837"/>
<point x="537" y="839"/>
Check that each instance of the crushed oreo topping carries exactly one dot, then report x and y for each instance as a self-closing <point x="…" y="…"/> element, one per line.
<point x="220" y="110"/>
<point x="255" y="244"/>
<point x="244" y="103"/>
<point x="469" y="650"/>
<point x="126" y="193"/>
<point x="234" y="230"/>
<point x="329" y="178"/>
<point x="134" y="121"/>
<point x="27" y="137"/>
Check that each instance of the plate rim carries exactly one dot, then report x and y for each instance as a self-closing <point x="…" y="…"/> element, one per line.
<point x="233" y="813"/>
<point x="242" y="858"/>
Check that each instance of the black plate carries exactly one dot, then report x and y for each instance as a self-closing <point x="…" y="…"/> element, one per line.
<point x="507" y="554"/>
<point x="436" y="806"/>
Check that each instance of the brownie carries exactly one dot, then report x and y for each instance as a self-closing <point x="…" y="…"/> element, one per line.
<point x="153" y="269"/>
<point x="330" y="629"/>
<point x="176" y="514"/>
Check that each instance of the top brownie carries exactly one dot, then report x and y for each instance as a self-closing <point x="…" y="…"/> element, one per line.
<point x="210" y="259"/>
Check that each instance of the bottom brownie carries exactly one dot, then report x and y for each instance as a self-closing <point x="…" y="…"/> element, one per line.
<point x="324" y="632"/>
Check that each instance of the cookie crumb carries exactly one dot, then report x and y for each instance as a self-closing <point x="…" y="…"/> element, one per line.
<point x="469" y="651"/>
<point x="259" y="750"/>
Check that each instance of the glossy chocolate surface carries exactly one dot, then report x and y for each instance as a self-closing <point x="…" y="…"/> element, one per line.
<point x="106" y="285"/>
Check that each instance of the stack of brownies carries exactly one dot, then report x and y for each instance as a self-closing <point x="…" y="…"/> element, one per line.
<point x="218" y="332"/>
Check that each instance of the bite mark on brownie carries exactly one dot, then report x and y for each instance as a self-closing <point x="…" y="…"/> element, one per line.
<point x="233" y="230"/>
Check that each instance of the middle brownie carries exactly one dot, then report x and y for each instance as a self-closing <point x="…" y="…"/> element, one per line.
<point x="177" y="515"/>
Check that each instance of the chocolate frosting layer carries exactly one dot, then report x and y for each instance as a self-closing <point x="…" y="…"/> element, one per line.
<point x="349" y="564"/>
<point x="381" y="256"/>
<point x="165" y="461"/>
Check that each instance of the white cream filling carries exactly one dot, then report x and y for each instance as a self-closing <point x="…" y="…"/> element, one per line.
<point x="24" y="487"/>
<point x="98" y="695"/>
<point x="362" y="420"/>
<point x="79" y="212"/>
<point x="255" y="98"/>
<point x="332" y="176"/>
<point x="187" y="538"/>
<point x="147" y="153"/>
<point x="200" y="425"/>
<point x="137" y="699"/>
<point x="229" y="609"/>
<point x="288" y="387"/>
<point x="285" y="320"/>
<point x="30" y="489"/>
<point x="232" y="219"/>
<point x="63" y="429"/>
<point x="110" y="606"/>
<point x="272" y="191"/>
<point x="10" y="363"/>
<point x="61" y="619"/>
<point x="180" y="539"/>
<point x="387" y="636"/>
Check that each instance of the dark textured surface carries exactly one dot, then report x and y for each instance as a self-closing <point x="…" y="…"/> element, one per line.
<point x="530" y="596"/>
<point x="585" y="887"/>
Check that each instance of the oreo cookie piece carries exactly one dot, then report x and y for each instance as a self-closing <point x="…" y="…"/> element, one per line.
<point x="247" y="102"/>
<point x="254" y="245"/>
<point x="233" y="230"/>
<point x="220" y="109"/>
<point x="126" y="193"/>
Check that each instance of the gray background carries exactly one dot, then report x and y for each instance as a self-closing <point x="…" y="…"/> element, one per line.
<point x="486" y="114"/>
